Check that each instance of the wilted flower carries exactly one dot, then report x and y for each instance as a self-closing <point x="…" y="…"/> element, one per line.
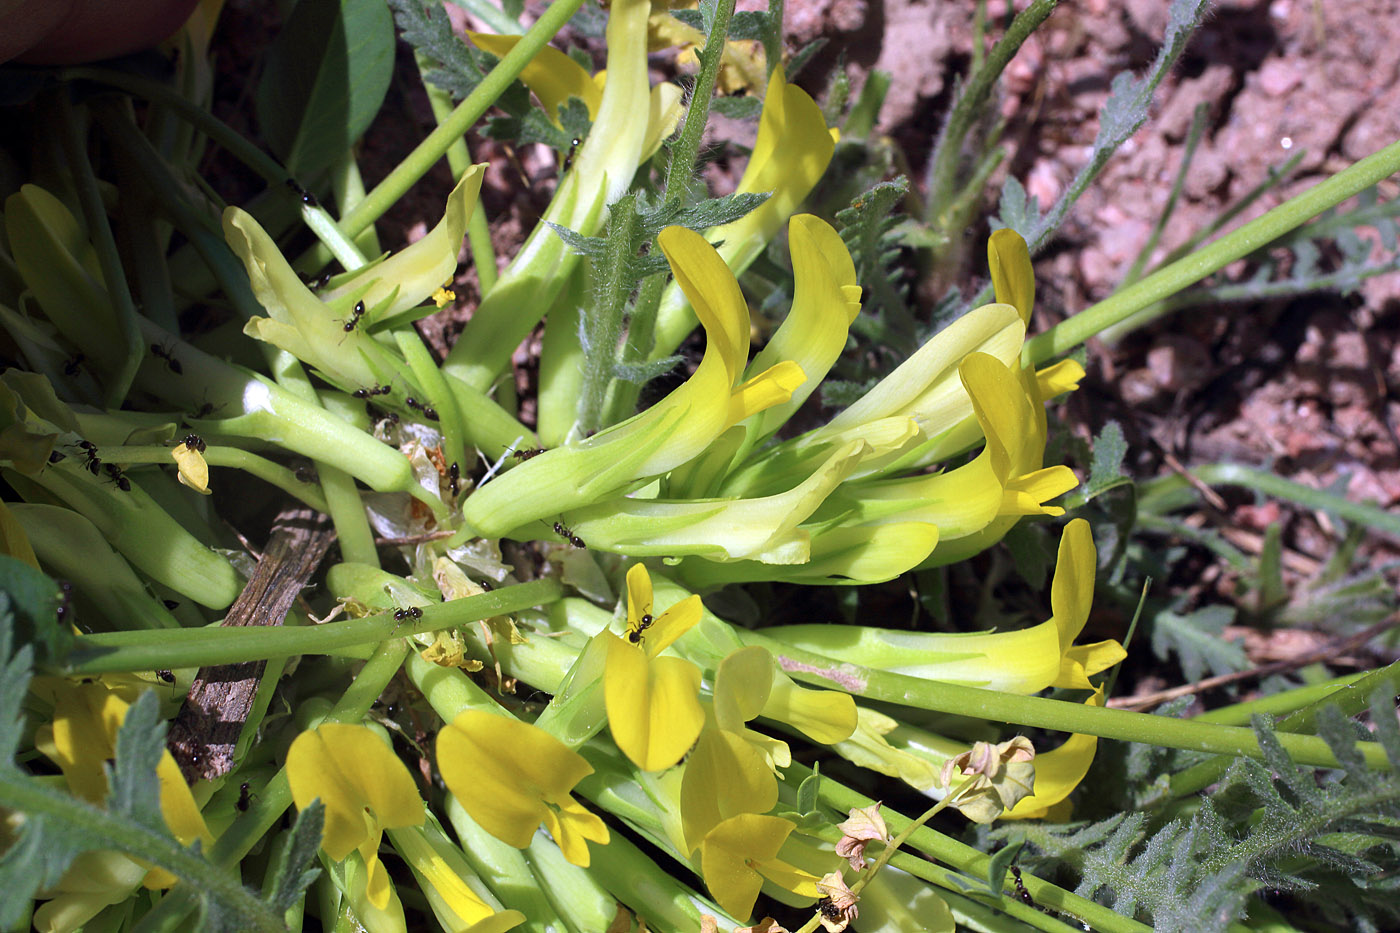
<point x="864" y="826"/>
<point x="837" y="905"/>
<point x="1000" y="774"/>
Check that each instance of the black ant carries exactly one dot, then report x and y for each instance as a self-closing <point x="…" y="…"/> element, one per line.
<point x="355" y="314"/>
<point x="195" y="442"/>
<point x="205" y="410"/>
<point x="569" y="157"/>
<point x="829" y="910"/>
<point x="379" y="415"/>
<point x="644" y="623"/>
<point x="55" y="456"/>
<point x="114" y="472"/>
<point x="563" y="531"/>
<point x="371" y="393"/>
<point x="1021" y="891"/>
<point x="171" y="604"/>
<point x="427" y="411"/>
<point x="243" y="797"/>
<point x="454" y="478"/>
<point x="525" y="453"/>
<point x="322" y="280"/>
<point x="412" y="612"/>
<point x="168" y="354"/>
<point x="166" y="676"/>
<point x="307" y="197"/>
<point x="70" y="368"/>
<point x="94" y="462"/>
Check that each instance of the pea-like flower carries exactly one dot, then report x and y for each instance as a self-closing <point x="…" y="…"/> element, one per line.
<point x="740" y="852"/>
<point x="511" y="776"/>
<point x="673" y="431"/>
<point x="1023" y="661"/>
<point x="653" y="702"/>
<point x="364" y="788"/>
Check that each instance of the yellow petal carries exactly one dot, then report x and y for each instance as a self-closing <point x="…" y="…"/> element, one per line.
<point x="724" y="776"/>
<point x="1082" y="661"/>
<point x="1058" y="772"/>
<point x="815" y="330"/>
<point x="653" y="705"/>
<point x="772" y="386"/>
<point x="730" y="849"/>
<point x="1072" y="589"/>
<point x="1059" y="378"/>
<point x="351" y="770"/>
<point x="639" y="596"/>
<point x="193" y="470"/>
<point x="503" y="771"/>
<point x="714" y="295"/>
<point x="551" y="75"/>
<point x="1012" y="278"/>
<point x="825" y="716"/>
<point x="573" y="827"/>
<point x="672" y="624"/>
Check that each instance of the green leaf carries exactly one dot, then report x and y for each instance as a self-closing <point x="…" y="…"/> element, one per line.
<point x="1106" y="470"/>
<point x="32" y="601"/>
<point x="297" y="860"/>
<point x="1196" y="640"/>
<point x="809" y="790"/>
<point x="325" y="79"/>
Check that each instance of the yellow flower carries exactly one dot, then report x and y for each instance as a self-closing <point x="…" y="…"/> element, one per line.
<point x="652" y="702"/>
<point x="740" y="852"/>
<point x="671" y="432"/>
<point x="791" y="153"/>
<point x="364" y="788"/>
<point x="83" y="736"/>
<point x="1057" y="772"/>
<point x="1023" y="661"/>
<point x="511" y="776"/>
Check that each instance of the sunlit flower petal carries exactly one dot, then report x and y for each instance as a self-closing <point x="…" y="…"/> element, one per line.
<point x="551" y="75"/>
<point x="653" y="704"/>
<point x="193" y="470"/>
<point x="364" y="788"/>
<point x="738" y="853"/>
<point x="511" y="776"/>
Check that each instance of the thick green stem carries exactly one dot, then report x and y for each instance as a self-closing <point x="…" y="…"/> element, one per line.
<point x="144" y="651"/>
<point x="1136" y="302"/>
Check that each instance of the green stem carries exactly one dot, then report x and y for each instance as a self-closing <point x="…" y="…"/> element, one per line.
<point x="1141" y="295"/>
<point x="459" y="159"/>
<point x="396" y="184"/>
<point x="105" y="245"/>
<point x="1232" y="474"/>
<point x="1059" y="715"/>
<point x="144" y="651"/>
<point x="1188" y="152"/>
<point x="222" y="456"/>
<point x="943" y="167"/>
